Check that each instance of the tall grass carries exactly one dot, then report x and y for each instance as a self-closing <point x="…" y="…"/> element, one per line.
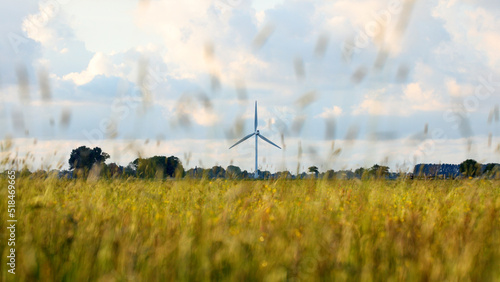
<point x="254" y="230"/>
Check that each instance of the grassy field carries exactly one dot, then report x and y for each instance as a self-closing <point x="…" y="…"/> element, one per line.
<point x="254" y="230"/>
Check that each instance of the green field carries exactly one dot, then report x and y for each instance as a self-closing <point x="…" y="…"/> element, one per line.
<point x="282" y="230"/>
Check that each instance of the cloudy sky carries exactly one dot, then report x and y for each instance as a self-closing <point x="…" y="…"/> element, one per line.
<point x="339" y="84"/>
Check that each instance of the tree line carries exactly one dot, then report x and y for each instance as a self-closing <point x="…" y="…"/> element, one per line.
<point x="85" y="162"/>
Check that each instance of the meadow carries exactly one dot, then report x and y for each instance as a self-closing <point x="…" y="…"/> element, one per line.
<point x="280" y="230"/>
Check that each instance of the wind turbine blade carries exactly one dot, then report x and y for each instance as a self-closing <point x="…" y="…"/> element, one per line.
<point x="244" y="138"/>
<point x="255" y="123"/>
<point x="268" y="141"/>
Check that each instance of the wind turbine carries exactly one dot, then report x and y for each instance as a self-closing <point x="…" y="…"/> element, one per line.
<point x="257" y="134"/>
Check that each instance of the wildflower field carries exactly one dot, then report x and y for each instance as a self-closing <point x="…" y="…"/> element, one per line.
<point x="280" y="230"/>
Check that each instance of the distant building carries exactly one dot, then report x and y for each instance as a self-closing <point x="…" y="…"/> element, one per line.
<point x="444" y="171"/>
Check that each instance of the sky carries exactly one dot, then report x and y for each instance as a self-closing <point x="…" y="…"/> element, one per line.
<point x="339" y="84"/>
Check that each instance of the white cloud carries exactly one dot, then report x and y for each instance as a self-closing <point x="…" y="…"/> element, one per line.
<point x="100" y="64"/>
<point x="108" y="26"/>
<point x="373" y="105"/>
<point x="189" y="28"/>
<point x="420" y="100"/>
<point x="188" y="108"/>
<point x="205" y="117"/>
<point x="36" y="25"/>
<point x="358" y="14"/>
<point x="91" y="38"/>
<point x="262" y="5"/>
<point x="457" y="90"/>
<point x="369" y="22"/>
<point x="414" y="99"/>
<point x="453" y="88"/>
<point x="333" y="112"/>
<point x="473" y="30"/>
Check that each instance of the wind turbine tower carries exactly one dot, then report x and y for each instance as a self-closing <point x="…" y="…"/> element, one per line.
<point x="257" y="136"/>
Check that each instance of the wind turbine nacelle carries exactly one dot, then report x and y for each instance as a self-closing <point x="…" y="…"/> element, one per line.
<point x="257" y="132"/>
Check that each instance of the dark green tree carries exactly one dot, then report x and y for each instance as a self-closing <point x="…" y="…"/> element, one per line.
<point x="314" y="169"/>
<point x="130" y="170"/>
<point x="265" y="174"/>
<point x="115" y="170"/>
<point x="470" y="168"/>
<point x="25" y="172"/>
<point x="158" y="167"/>
<point x="83" y="158"/>
<point x="174" y="167"/>
<point x="195" y="173"/>
<point x="330" y="174"/>
<point x="217" y="172"/>
<point x="359" y="172"/>
<point x="491" y="169"/>
<point x="233" y="172"/>
<point x="379" y="171"/>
